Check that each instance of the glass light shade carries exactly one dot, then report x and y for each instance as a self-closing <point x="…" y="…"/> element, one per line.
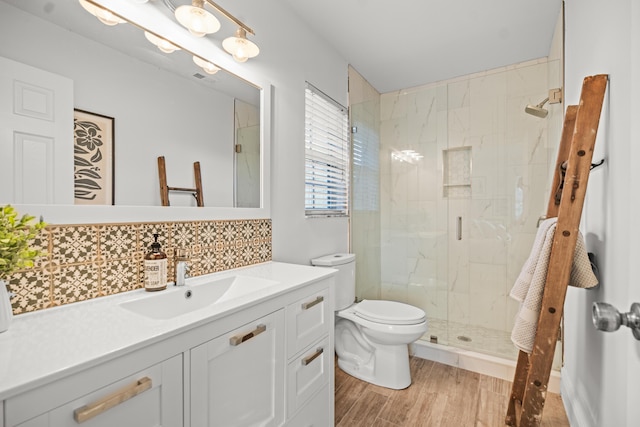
<point x="207" y="66"/>
<point x="162" y="44"/>
<point x="239" y="47"/>
<point x="197" y="20"/>
<point x="105" y="16"/>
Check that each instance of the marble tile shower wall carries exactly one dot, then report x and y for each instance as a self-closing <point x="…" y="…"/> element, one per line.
<point x="423" y="263"/>
<point x="93" y="260"/>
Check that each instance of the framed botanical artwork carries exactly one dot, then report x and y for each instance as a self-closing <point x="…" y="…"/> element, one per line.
<point x="93" y="158"/>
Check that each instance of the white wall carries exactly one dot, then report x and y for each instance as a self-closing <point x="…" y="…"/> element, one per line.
<point x="603" y="37"/>
<point x="156" y="113"/>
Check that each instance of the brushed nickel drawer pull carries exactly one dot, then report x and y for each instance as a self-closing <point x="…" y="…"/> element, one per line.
<point x="114" y="399"/>
<point x="240" y="338"/>
<point x="308" y="305"/>
<point x="313" y="357"/>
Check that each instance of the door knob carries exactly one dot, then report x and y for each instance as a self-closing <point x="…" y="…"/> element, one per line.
<point x="607" y="318"/>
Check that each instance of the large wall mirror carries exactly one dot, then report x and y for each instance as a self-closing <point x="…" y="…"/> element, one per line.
<point x="158" y="104"/>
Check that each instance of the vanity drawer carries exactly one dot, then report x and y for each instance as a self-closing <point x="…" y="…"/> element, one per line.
<point x="151" y="397"/>
<point x="308" y="319"/>
<point x="317" y="413"/>
<point x="307" y="373"/>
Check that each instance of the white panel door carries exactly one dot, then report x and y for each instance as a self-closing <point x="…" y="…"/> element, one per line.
<point x="36" y="135"/>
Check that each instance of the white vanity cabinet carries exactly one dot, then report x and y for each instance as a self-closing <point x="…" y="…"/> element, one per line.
<point x="149" y="397"/>
<point x="266" y="360"/>
<point x="237" y="379"/>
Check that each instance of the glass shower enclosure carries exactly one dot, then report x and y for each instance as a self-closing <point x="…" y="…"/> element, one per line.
<point x="447" y="216"/>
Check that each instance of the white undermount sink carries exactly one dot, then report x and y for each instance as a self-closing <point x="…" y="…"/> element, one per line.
<point x="176" y="301"/>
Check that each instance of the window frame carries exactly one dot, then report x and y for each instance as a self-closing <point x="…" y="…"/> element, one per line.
<point x="327" y="156"/>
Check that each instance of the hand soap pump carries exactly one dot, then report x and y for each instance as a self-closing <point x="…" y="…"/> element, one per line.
<point x="155" y="267"/>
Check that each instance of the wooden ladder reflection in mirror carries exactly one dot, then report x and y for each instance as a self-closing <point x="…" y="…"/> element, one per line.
<point x="165" y="189"/>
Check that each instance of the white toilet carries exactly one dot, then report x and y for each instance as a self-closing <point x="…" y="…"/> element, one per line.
<point x="372" y="336"/>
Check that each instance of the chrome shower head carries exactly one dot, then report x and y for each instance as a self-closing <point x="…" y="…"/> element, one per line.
<point x="537" y="110"/>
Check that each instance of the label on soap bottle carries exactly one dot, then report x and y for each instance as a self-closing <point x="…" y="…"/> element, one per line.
<point x="155" y="274"/>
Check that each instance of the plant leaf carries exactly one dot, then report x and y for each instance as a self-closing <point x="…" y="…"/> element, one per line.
<point x="96" y="157"/>
<point x="87" y="183"/>
<point x="79" y="161"/>
<point x="89" y="173"/>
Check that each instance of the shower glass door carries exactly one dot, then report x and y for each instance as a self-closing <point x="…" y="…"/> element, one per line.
<point x="464" y="177"/>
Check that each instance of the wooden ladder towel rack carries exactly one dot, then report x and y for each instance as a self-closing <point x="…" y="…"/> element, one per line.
<point x="164" y="188"/>
<point x="529" y="388"/>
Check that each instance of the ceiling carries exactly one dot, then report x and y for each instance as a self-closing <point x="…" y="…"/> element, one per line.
<point x="406" y="43"/>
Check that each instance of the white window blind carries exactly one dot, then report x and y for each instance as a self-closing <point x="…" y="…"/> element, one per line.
<point x="326" y="155"/>
<point x="366" y="168"/>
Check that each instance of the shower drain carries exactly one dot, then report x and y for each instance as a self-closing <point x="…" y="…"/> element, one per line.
<point x="463" y="338"/>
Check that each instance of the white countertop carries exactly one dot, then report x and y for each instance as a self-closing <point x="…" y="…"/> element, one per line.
<point x="46" y="345"/>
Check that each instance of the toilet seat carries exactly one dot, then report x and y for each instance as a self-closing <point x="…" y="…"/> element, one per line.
<point x="389" y="312"/>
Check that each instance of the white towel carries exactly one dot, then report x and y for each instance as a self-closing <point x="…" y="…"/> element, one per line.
<point x="529" y="285"/>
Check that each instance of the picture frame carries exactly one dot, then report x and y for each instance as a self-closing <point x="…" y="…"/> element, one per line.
<point x="93" y="158"/>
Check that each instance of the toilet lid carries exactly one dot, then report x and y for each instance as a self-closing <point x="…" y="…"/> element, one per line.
<point x="389" y="312"/>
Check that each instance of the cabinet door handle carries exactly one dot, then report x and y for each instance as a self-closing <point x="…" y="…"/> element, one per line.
<point x="308" y="305"/>
<point x="99" y="406"/>
<point x="239" y="339"/>
<point x="313" y="356"/>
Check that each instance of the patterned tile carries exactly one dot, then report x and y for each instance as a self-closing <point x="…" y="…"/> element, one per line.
<point x="75" y="283"/>
<point x="183" y="235"/>
<point x="31" y="289"/>
<point x="92" y="260"/>
<point x="118" y="241"/>
<point x="74" y="244"/>
<point x="227" y="232"/>
<point x="206" y="233"/>
<point x="118" y="276"/>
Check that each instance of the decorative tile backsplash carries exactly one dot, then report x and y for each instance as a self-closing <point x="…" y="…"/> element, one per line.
<point x="93" y="260"/>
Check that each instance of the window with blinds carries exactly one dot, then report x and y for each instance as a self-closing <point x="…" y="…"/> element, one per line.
<point x="326" y="155"/>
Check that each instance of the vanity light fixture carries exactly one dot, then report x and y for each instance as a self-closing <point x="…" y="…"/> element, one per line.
<point x="239" y="47"/>
<point x="198" y="21"/>
<point x="207" y="66"/>
<point x="105" y="16"/>
<point x="162" y="44"/>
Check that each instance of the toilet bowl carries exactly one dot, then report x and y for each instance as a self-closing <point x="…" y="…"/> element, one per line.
<point x="372" y="336"/>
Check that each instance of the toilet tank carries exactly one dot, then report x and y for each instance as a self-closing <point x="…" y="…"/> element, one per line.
<point x="345" y="291"/>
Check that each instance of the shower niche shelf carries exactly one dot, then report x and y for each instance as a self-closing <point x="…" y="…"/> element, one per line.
<point x="456" y="181"/>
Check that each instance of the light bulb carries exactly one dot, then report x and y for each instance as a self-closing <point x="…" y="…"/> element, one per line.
<point x="240" y="57"/>
<point x="105" y="16"/>
<point x="239" y="47"/>
<point x="207" y="66"/>
<point x="162" y="44"/>
<point x="197" y="20"/>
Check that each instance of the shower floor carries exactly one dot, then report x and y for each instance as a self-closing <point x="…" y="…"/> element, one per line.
<point x="469" y="337"/>
<point x="478" y="339"/>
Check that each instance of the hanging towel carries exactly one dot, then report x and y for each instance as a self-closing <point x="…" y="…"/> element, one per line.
<point x="529" y="285"/>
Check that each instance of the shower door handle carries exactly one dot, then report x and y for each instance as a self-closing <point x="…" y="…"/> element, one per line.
<point x="459" y="228"/>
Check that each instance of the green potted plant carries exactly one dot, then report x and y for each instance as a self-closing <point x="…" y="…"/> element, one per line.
<point x="16" y="235"/>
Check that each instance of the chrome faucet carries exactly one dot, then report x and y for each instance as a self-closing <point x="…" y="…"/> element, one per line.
<point x="181" y="267"/>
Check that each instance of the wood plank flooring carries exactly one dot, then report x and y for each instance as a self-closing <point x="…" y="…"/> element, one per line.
<point x="440" y="396"/>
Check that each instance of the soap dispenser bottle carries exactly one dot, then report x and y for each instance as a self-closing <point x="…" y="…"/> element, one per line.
<point x="155" y="267"/>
